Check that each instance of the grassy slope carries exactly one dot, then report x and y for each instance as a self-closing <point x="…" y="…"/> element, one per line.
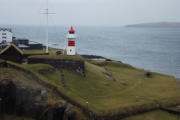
<point x="33" y="52"/>
<point x="25" y="80"/>
<point x="1" y="61"/>
<point x="155" y="115"/>
<point x="140" y="89"/>
<point x="13" y="117"/>
<point x="100" y="97"/>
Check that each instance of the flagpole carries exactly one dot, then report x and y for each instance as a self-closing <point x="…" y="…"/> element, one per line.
<point x="47" y="31"/>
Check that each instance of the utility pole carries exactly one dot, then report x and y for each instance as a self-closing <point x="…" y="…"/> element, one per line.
<point x="47" y="25"/>
<point x="47" y="31"/>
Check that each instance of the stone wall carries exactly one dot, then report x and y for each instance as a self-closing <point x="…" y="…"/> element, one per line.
<point x="75" y="65"/>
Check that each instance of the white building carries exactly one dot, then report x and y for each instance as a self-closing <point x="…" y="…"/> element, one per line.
<point x="5" y="35"/>
<point x="71" y="47"/>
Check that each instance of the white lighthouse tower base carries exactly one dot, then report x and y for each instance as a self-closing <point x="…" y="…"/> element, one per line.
<point x="71" y="51"/>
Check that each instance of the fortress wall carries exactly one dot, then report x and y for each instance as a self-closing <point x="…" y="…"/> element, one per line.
<point x="77" y="66"/>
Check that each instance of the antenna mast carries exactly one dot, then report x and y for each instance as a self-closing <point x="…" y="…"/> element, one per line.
<point x="47" y="30"/>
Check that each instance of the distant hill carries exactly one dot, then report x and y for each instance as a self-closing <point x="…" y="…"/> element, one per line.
<point x="159" y="24"/>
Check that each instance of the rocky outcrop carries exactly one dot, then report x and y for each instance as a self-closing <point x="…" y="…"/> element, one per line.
<point x="22" y="102"/>
<point x="93" y="57"/>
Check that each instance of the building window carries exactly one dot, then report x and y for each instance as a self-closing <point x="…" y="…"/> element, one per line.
<point x="3" y="41"/>
<point x="3" y="37"/>
<point x="3" y="33"/>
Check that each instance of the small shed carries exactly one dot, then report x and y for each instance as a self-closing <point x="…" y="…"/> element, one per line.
<point x="11" y="53"/>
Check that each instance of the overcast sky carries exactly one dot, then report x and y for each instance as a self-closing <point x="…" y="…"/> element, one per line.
<point x="89" y="12"/>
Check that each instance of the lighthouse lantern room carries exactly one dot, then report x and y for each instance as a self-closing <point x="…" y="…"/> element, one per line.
<point x="71" y="37"/>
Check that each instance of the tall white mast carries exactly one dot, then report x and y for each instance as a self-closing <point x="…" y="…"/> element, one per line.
<point x="47" y="31"/>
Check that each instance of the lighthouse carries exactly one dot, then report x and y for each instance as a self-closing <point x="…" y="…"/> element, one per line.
<point x="71" y="37"/>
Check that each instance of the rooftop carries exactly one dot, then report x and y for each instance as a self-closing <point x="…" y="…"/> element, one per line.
<point x="71" y="31"/>
<point x="5" y="29"/>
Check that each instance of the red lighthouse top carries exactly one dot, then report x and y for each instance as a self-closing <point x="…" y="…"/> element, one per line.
<point x="71" y="31"/>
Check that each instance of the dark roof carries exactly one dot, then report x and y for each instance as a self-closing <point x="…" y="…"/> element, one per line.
<point x="11" y="45"/>
<point x="5" y="29"/>
<point x="21" y="39"/>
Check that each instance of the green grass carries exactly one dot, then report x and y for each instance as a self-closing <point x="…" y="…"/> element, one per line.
<point x="115" y="95"/>
<point x="58" y="57"/>
<point x="92" y="88"/>
<point x="14" y="117"/>
<point x="25" y="80"/>
<point x="38" y="67"/>
<point x="33" y="52"/>
<point x="51" y="55"/>
<point x="155" y="115"/>
<point x="140" y="89"/>
<point x="1" y="61"/>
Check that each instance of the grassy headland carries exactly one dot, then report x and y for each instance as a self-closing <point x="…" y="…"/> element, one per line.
<point x="108" y="85"/>
<point x="130" y="87"/>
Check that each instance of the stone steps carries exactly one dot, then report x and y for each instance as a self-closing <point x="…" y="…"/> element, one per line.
<point x="63" y="81"/>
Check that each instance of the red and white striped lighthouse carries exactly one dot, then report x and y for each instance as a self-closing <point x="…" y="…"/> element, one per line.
<point x="71" y="48"/>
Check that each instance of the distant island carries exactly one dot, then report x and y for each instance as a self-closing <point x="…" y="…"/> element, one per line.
<point x="158" y="24"/>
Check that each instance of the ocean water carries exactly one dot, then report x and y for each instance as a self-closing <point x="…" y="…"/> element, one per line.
<point x="154" y="49"/>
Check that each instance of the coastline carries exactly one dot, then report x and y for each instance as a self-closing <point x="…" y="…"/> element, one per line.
<point x="98" y="57"/>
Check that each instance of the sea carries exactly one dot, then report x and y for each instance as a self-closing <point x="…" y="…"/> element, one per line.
<point x="153" y="49"/>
